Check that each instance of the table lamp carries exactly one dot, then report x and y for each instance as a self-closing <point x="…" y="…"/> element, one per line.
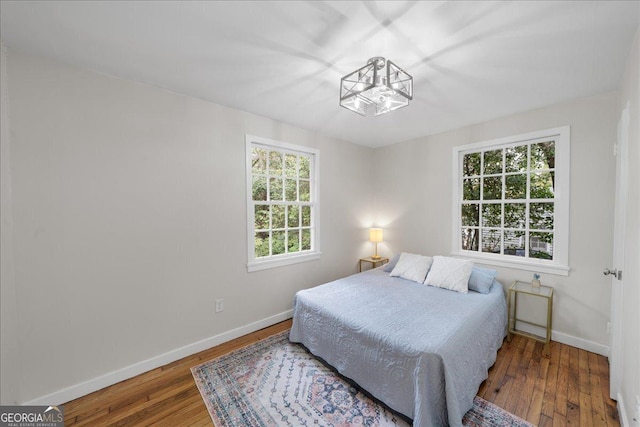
<point x="375" y="235"/>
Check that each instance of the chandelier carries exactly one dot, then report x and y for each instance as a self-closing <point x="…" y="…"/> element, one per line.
<point x="380" y="83"/>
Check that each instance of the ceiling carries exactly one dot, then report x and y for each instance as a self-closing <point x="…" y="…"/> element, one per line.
<point x="471" y="61"/>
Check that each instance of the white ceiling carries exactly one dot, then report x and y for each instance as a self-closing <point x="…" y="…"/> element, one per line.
<point x="471" y="61"/>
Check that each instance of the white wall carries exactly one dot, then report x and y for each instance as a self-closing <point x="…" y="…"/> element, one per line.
<point x="9" y="357"/>
<point x="630" y="386"/>
<point x="414" y="205"/>
<point x="130" y="221"/>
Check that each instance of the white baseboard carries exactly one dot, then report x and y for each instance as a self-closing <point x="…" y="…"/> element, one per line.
<point x="622" y="414"/>
<point x="568" y="339"/>
<point x="70" y="393"/>
<point x="591" y="346"/>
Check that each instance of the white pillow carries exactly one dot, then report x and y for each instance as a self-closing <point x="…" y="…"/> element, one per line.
<point x="450" y="273"/>
<point x="412" y="267"/>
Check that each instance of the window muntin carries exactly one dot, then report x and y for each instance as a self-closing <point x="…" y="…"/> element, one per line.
<point x="282" y="203"/>
<point x="507" y="204"/>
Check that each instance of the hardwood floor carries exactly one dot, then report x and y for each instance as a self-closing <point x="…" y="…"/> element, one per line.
<point x="571" y="387"/>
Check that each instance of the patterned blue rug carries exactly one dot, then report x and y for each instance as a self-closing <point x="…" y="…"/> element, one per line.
<point x="277" y="383"/>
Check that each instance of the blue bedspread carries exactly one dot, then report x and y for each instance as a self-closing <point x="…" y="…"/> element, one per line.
<point x="423" y="351"/>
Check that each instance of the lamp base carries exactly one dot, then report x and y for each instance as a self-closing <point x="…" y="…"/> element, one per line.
<point x="375" y="257"/>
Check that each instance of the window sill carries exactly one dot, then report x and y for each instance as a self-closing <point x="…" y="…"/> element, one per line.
<point x="537" y="267"/>
<point x="280" y="262"/>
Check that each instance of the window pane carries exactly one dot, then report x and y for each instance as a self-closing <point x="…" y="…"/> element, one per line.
<point x="275" y="189"/>
<point x="304" y="191"/>
<point x="492" y="215"/>
<point x="515" y="186"/>
<point x="277" y="243"/>
<point x="471" y="164"/>
<point x="291" y="190"/>
<point x="293" y="241"/>
<point x="304" y="167"/>
<point x="277" y="216"/>
<point x="259" y="188"/>
<point x="261" y="217"/>
<point x="541" y="216"/>
<point x="280" y="201"/>
<point x="543" y="155"/>
<point x="290" y="165"/>
<point x="506" y="194"/>
<point x="262" y="244"/>
<point x="293" y="216"/>
<point x="258" y="160"/>
<point x="306" y="240"/>
<point x="514" y="215"/>
<point x="542" y="185"/>
<point x="470" y="238"/>
<point x="492" y="188"/>
<point x="541" y="245"/>
<point x="275" y="163"/>
<point x="470" y="214"/>
<point x="491" y="240"/>
<point x="516" y="159"/>
<point x="493" y="162"/>
<point x="471" y="189"/>
<point x="306" y="216"/>
<point x="514" y="243"/>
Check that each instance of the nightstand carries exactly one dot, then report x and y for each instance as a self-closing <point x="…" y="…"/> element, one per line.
<point x="374" y="262"/>
<point x="545" y="292"/>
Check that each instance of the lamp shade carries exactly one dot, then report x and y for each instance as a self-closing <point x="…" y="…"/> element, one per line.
<point x="375" y="235"/>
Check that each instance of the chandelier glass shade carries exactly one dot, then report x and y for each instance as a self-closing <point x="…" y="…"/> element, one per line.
<point x="380" y="85"/>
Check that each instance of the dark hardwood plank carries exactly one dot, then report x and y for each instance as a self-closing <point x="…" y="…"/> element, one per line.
<point x="563" y="381"/>
<point x="551" y="384"/>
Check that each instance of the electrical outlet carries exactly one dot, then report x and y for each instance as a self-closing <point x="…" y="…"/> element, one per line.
<point x="219" y="305"/>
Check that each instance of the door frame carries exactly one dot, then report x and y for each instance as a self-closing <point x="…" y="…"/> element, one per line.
<point x="617" y="288"/>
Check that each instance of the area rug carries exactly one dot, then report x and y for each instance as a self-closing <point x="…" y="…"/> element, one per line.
<point x="277" y="383"/>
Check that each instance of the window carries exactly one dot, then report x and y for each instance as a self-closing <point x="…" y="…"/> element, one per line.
<point x="511" y="201"/>
<point x="282" y="205"/>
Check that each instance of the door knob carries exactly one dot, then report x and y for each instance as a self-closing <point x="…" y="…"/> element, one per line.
<point x="614" y="272"/>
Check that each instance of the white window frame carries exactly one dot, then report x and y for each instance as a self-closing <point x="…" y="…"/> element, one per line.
<point x="272" y="261"/>
<point x="560" y="263"/>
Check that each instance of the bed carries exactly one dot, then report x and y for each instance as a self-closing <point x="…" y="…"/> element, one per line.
<point x="421" y="350"/>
